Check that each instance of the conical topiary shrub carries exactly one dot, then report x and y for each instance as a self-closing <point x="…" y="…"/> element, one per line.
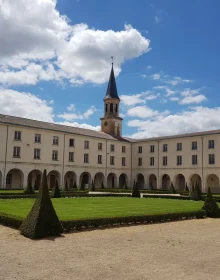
<point x="66" y="188"/>
<point x="56" y="191"/>
<point x="172" y="188"/>
<point x="186" y="188"/>
<point x="92" y="189"/>
<point x="29" y="189"/>
<point x="125" y="187"/>
<point x="42" y="221"/>
<point x="210" y="206"/>
<point x="75" y="186"/>
<point x="102" y="186"/>
<point x="35" y="185"/>
<point x="151" y="187"/>
<point x="135" y="190"/>
<point x="198" y="190"/>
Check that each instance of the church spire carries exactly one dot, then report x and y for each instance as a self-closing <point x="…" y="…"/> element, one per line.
<point x="112" y="89"/>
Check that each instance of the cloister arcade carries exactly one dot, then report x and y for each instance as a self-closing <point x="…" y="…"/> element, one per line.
<point x="17" y="179"/>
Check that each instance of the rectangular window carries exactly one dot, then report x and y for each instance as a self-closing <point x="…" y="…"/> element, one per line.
<point x="152" y="148"/>
<point x="165" y="147"/>
<point x="100" y="146"/>
<point x="151" y="161"/>
<point x="112" y="148"/>
<point x="194" y="159"/>
<point x="17" y="152"/>
<point x="71" y="142"/>
<point x="17" y="135"/>
<point x="140" y="149"/>
<point x="194" y="145"/>
<point x="164" y="161"/>
<point x="211" y="144"/>
<point x="179" y="146"/>
<point x="71" y="156"/>
<point x="139" y="161"/>
<point x="112" y="160"/>
<point x="55" y="140"/>
<point x="86" y="144"/>
<point x="99" y="159"/>
<point x="37" y="138"/>
<point x="212" y="159"/>
<point x="123" y="161"/>
<point x="54" y="155"/>
<point x="86" y="158"/>
<point x="123" y="149"/>
<point x="179" y="160"/>
<point x="36" y="153"/>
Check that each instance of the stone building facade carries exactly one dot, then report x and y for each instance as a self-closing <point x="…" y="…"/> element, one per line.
<point x="80" y="155"/>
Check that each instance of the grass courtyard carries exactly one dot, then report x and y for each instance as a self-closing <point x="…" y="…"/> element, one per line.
<point x="85" y="208"/>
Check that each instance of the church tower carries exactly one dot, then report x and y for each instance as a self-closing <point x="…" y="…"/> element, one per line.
<point x="111" y="123"/>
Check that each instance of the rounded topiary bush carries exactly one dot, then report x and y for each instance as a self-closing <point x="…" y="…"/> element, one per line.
<point x="135" y="191"/>
<point x="29" y="189"/>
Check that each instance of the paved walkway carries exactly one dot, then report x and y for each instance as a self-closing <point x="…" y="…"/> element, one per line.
<point x="188" y="250"/>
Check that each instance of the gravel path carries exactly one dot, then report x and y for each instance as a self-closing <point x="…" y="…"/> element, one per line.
<point x="177" y="250"/>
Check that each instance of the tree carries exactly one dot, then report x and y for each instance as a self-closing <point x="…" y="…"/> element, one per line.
<point x="75" y="186"/>
<point x="92" y="189"/>
<point x="29" y="189"/>
<point x="135" y="190"/>
<point x="125" y="187"/>
<point x="102" y="186"/>
<point x="195" y="193"/>
<point x="56" y="192"/>
<point x="42" y="220"/>
<point x="186" y="188"/>
<point x="172" y="188"/>
<point x="210" y="206"/>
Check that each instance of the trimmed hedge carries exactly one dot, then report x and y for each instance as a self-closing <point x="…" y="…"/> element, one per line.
<point x="15" y="222"/>
<point x="103" y="222"/>
<point x="167" y="196"/>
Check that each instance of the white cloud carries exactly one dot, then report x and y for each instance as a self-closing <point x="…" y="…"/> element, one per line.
<point x="152" y="96"/>
<point x="189" y="92"/>
<point x="174" y="98"/>
<point x="144" y="112"/>
<point x="81" y="125"/>
<point x="140" y="98"/>
<point x="36" y="47"/>
<point x="23" y="104"/>
<point x="76" y="116"/>
<point x="194" y="119"/>
<point x="157" y="20"/>
<point x="193" y="99"/>
<point x="177" y="80"/>
<point x="156" y="76"/>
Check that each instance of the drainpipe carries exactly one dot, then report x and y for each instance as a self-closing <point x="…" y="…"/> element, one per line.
<point x="6" y="152"/>
<point x="106" y="163"/>
<point x="131" y="180"/>
<point x="203" y="185"/>
<point x="158" y="168"/>
<point x="63" y="159"/>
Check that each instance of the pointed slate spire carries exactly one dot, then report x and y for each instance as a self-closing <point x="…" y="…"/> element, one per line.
<point x="112" y="89"/>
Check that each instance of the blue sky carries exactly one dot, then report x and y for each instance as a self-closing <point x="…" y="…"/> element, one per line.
<point x="55" y="62"/>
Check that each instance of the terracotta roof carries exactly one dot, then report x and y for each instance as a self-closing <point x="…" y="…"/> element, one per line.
<point x="5" y="119"/>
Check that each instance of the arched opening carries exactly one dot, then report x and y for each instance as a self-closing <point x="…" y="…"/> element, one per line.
<point x="195" y="179"/>
<point x="111" y="107"/>
<point x="70" y="179"/>
<point x="52" y="177"/>
<point x="98" y="180"/>
<point x="123" y="181"/>
<point x="116" y="108"/>
<point x="14" y="179"/>
<point x="35" y="178"/>
<point x="180" y="182"/>
<point x="152" y="182"/>
<point x="85" y="180"/>
<point x="213" y="183"/>
<point x="111" y="181"/>
<point x="140" y="181"/>
<point x="166" y="182"/>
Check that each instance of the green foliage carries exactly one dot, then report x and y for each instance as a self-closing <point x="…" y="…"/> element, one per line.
<point x="135" y="190"/>
<point x="172" y="188"/>
<point x="151" y="187"/>
<point x="66" y="186"/>
<point x="56" y="191"/>
<point x="210" y="206"/>
<point x="75" y="186"/>
<point x="92" y="189"/>
<point x="125" y="187"/>
<point x="186" y="188"/>
<point x="35" y="185"/>
<point x="29" y="189"/>
<point x="42" y="220"/>
<point x="102" y="186"/>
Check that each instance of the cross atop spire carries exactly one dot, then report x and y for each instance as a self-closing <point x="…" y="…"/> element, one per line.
<point x="112" y="89"/>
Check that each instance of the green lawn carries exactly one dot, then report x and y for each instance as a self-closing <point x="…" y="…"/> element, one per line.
<point x="82" y="208"/>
